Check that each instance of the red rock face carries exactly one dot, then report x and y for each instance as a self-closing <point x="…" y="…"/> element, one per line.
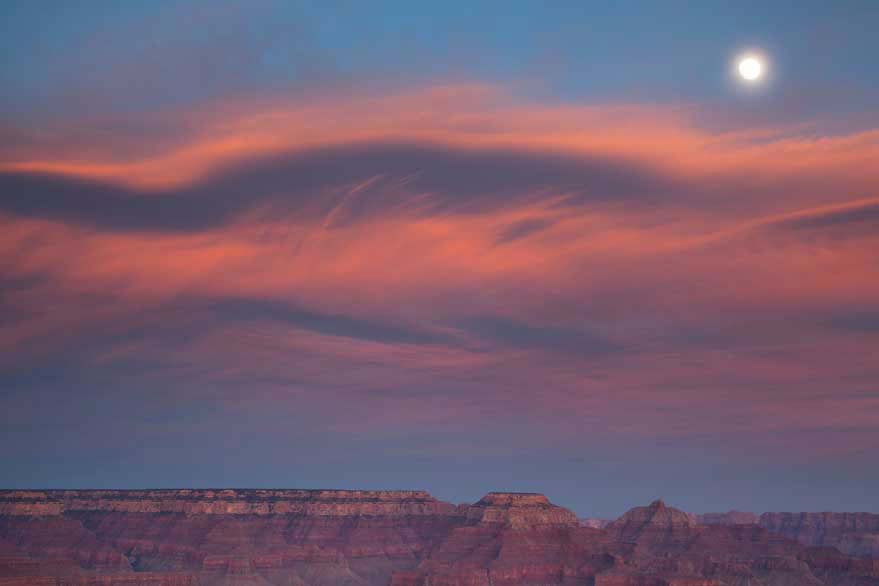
<point x="595" y="523"/>
<point x="372" y="538"/>
<point x="729" y="518"/>
<point x="221" y="537"/>
<point x="654" y="526"/>
<point x="856" y="534"/>
<point x="518" y="510"/>
<point x="225" y="502"/>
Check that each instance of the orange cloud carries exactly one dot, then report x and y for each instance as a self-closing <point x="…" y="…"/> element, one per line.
<point x="189" y="144"/>
<point x="711" y="275"/>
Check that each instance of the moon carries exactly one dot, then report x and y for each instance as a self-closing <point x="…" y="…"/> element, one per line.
<point x="750" y="68"/>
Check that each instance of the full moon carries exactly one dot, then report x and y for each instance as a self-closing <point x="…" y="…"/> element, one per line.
<point x="750" y="68"/>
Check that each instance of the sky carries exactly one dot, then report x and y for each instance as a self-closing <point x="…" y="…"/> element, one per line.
<point x="460" y="246"/>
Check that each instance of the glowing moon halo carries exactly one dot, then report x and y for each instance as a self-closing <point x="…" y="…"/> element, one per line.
<point x="750" y="68"/>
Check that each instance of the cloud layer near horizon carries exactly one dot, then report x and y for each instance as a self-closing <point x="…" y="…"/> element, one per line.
<point x="452" y="262"/>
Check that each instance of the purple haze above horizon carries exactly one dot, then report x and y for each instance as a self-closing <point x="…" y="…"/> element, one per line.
<point x="460" y="248"/>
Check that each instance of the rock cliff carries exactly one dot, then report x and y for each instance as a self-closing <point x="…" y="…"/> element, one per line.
<point x="852" y="533"/>
<point x="401" y="538"/>
<point x="595" y="523"/>
<point x="855" y="534"/>
<point x="655" y="525"/>
<point x="340" y="503"/>
<point x="518" y="510"/>
<point x="728" y="518"/>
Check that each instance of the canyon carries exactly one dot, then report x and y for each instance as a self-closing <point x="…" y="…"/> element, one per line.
<point x="409" y="538"/>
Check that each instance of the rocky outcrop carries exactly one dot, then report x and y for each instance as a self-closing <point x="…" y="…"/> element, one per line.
<point x="595" y="523"/>
<point x="221" y="536"/>
<point x="340" y="503"/>
<point x="519" y="511"/>
<point x="140" y="579"/>
<point x="728" y="518"/>
<point x="655" y="525"/>
<point x="509" y="539"/>
<point x="635" y="579"/>
<point x="829" y="563"/>
<point x="856" y="534"/>
<point x="376" y="538"/>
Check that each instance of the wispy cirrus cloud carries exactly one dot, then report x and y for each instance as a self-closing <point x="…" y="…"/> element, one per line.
<point x="511" y="261"/>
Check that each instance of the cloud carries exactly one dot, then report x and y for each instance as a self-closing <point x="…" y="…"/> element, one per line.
<point x="184" y="145"/>
<point x="850" y="219"/>
<point x="379" y="177"/>
<point x="517" y="334"/>
<point x="329" y="325"/>
<point x="522" y="229"/>
<point x="864" y="321"/>
<point x="451" y="258"/>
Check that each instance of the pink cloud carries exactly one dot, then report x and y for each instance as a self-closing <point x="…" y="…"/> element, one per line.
<point x="710" y="308"/>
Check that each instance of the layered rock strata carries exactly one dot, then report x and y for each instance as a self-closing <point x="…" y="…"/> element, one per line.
<point x="853" y="533"/>
<point x="728" y="518"/>
<point x="401" y="538"/>
<point x="856" y="534"/>
<point x="338" y="503"/>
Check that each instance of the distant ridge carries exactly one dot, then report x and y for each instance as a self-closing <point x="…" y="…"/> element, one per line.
<point x="328" y="537"/>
